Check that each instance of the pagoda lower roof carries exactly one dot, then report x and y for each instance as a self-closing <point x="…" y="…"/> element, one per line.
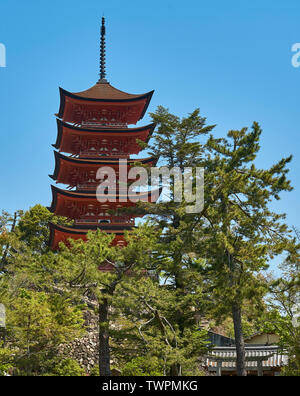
<point x="71" y="171"/>
<point x="73" y="139"/>
<point x="72" y="204"/>
<point x="78" y="107"/>
<point x="59" y="233"/>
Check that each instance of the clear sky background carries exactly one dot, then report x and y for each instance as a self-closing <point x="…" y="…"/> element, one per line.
<point x="230" y="58"/>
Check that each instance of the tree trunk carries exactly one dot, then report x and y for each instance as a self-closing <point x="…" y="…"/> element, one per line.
<point x="104" y="351"/>
<point x="239" y="341"/>
<point x="175" y="370"/>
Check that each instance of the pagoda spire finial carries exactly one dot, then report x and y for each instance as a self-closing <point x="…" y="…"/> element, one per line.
<point x="102" y="73"/>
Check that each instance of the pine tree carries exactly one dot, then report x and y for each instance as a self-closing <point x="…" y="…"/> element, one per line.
<point x="39" y="316"/>
<point x="150" y="329"/>
<point x="283" y="315"/>
<point x="179" y="142"/>
<point x="79" y="267"/>
<point x="235" y="233"/>
<point x="241" y="233"/>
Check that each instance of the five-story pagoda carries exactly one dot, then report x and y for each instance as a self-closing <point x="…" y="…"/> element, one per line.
<point x="93" y="127"/>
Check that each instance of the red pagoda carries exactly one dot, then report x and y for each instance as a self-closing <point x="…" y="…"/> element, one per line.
<point x="93" y="128"/>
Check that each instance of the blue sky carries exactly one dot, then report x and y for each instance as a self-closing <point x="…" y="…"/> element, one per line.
<point x="230" y="58"/>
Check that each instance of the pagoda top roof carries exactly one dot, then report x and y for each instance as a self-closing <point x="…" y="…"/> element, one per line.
<point x="105" y="94"/>
<point x="105" y="91"/>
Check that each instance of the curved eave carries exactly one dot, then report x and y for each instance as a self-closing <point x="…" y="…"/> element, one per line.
<point x="84" y="229"/>
<point x="93" y="196"/>
<point x="81" y="231"/>
<point x="61" y="125"/>
<point x="57" y="166"/>
<point x="63" y="94"/>
<point x="88" y="162"/>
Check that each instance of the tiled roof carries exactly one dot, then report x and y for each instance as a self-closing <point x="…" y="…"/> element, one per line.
<point x="105" y="91"/>
<point x="271" y="357"/>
